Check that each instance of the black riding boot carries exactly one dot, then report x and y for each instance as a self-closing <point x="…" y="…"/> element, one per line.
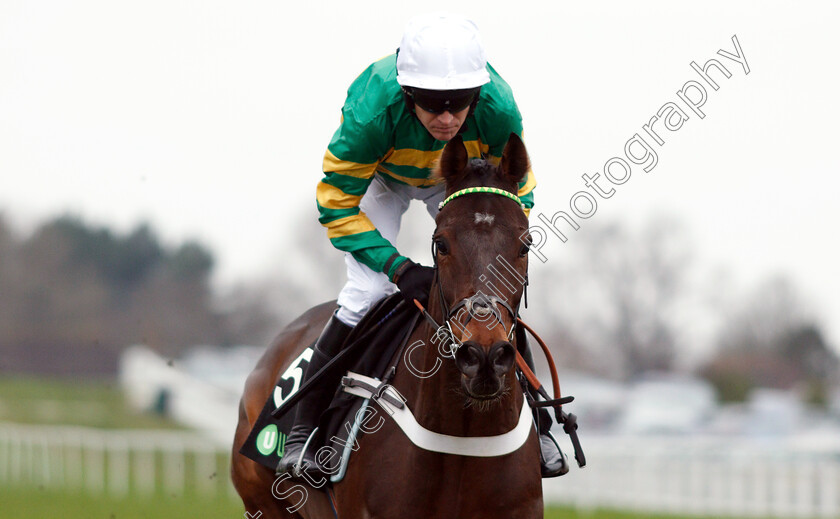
<point x="553" y="462"/>
<point x="311" y="406"/>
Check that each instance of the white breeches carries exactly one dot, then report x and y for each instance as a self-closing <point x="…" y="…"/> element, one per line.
<point x="384" y="203"/>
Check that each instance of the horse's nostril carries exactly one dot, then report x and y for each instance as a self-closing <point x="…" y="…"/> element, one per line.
<point x="468" y="358"/>
<point x="502" y="356"/>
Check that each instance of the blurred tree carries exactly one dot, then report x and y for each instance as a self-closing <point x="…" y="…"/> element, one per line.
<point x="758" y="320"/>
<point x="10" y="293"/>
<point x="7" y="239"/>
<point x="618" y="289"/>
<point x="190" y="263"/>
<point x="805" y="347"/>
<point x="132" y="258"/>
<point x="769" y="340"/>
<point x="250" y="313"/>
<point x="816" y="364"/>
<point x="73" y="295"/>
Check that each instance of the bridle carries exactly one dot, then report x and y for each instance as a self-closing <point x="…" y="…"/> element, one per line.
<point x="482" y="305"/>
<point x="479" y="305"/>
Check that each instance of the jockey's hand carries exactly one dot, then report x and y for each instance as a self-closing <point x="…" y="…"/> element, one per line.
<point x="414" y="282"/>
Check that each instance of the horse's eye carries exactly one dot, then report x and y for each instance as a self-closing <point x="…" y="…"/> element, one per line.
<point x="441" y="246"/>
<point x="523" y="250"/>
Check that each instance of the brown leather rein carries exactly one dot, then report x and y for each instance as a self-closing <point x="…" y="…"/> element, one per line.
<point x="568" y="420"/>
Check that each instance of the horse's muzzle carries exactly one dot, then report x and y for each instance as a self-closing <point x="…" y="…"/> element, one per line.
<point x="484" y="370"/>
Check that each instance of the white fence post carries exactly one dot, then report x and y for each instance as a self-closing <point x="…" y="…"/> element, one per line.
<point x="55" y="451"/>
<point x="724" y="476"/>
<point x="94" y="463"/>
<point x="761" y="475"/>
<point x="118" y="466"/>
<point x="174" y="469"/>
<point x="4" y="456"/>
<point x="828" y="482"/>
<point x="117" y="462"/>
<point x="73" y="459"/>
<point x="206" y="471"/>
<point x="15" y="455"/>
<point x="144" y="468"/>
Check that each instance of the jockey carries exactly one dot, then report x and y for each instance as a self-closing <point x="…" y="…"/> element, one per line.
<point x="399" y="114"/>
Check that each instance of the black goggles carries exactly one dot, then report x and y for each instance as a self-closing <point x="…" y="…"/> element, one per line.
<point x="439" y="101"/>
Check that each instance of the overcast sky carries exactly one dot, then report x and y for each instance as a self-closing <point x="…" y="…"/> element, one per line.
<point x="209" y="119"/>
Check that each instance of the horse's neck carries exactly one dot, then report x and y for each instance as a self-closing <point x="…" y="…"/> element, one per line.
<point x="432" y="386"/>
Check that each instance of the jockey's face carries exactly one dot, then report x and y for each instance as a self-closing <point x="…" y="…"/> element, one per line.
<point x="442" y="126"/>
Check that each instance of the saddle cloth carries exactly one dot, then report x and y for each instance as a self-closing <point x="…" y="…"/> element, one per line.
<point x="393" y="323"/>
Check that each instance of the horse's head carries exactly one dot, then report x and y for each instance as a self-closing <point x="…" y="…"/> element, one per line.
<point x="482" y="263"/>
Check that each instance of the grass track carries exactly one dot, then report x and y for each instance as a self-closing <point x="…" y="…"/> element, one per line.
<point x="41" y="504"/>
<point x="91" y="403"/>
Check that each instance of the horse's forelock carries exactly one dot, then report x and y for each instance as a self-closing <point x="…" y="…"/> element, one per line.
<point x="478" y="173"/>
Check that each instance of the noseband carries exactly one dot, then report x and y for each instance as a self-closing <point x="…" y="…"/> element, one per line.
<point x="479" y="305"/>
<point x="482" y="307"/>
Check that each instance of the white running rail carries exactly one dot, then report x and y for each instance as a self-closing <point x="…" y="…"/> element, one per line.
<point x="116" y="462"/>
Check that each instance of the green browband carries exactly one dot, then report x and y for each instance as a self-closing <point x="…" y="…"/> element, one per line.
<point x="483" y="189"/>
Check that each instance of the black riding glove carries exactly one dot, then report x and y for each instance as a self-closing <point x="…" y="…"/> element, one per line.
<point x="414" y="282"/>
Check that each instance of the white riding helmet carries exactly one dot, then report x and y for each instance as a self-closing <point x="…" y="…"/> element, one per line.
<point x="441" y="51"/>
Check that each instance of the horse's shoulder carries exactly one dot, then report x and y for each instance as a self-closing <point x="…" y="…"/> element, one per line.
<point x="316" y="316"/>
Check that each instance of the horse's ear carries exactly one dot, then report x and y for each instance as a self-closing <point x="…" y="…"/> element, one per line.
<point x="515" y="162"/>
<point x="454" y="159"/>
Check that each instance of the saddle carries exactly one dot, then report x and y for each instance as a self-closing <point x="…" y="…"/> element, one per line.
<point x="375" y="343"/>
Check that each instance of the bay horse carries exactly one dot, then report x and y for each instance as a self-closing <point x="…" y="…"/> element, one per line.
<point x="474" y="392"/>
